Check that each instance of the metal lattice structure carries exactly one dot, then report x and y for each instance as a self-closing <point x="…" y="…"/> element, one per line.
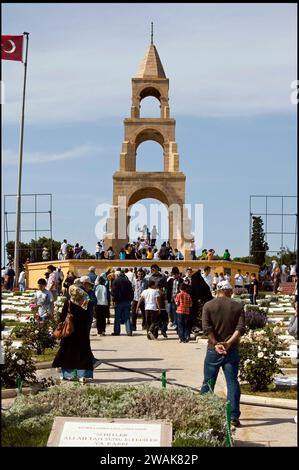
<point x="36" y="230"/>
<point x="265" y="217"/>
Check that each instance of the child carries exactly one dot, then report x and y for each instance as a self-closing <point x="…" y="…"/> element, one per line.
<point x="184" y="302"/>
<point x="149" y="297"/>
<point x="44" y="300"/>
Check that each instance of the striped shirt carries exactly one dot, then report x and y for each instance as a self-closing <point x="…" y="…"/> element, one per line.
<point x="184" y="302"/>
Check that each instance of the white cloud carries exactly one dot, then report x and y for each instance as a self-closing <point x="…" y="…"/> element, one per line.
<point x="10" y="157"/>
<point x="221" y="60"/>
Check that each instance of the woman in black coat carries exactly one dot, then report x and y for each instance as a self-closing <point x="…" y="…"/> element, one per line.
<point x="200" y="294"/>
<point x="74" y="355"/>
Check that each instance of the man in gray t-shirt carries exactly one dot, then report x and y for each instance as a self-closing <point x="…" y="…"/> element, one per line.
<point x="223" y="321"/>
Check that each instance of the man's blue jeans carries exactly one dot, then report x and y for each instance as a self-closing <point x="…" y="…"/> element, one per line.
<point x="122" y="314"/>
<point x="230" y="365"/>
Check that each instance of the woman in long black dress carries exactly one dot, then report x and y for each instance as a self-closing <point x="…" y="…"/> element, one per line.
<point x="74" y="355"/>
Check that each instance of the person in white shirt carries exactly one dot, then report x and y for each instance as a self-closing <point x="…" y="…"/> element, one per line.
<point x="239" y="280"/>
<point x="274" y="265"/>
<point x="3" y="270"/>
<point x="52" y="281"/>
<point x="149" y="297"/>
<point x="22" y="281"/>
<point x="246" y="281"/>
<point x="98" y="250"/>
<point x="293" y="270"/>
<point x="154" y="236"/>
<point x="284" y="273"/>
<point x="215" y="281"/>
<point x="130" y="275"/>
<point x="63" y="249"/>
<point x="102" y="307"/>
<point x="156" y="254"/>
<point x="208" y="277"/>
<point x="227" y="277"/>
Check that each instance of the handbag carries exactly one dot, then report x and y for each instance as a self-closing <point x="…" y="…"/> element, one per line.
<point x="65" y="328"/>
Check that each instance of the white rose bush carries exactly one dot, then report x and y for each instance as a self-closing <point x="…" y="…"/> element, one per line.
<point x="18" y="364"/>
<point x="259" y="358"/>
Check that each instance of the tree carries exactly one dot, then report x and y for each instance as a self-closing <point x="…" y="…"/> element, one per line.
<point x="35" y="247"/>
<point x="24" y="251"/>
<point x="288" y="257"/>
<point x="259" y="246"/>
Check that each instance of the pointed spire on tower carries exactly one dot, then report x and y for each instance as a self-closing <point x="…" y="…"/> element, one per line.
<point x="151" y="66"/>
<point x="152" y="33"/>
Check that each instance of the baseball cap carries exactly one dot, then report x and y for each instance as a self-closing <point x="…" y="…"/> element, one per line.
<point x="224" y="285"/>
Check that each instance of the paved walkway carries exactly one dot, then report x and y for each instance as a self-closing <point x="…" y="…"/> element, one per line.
<point x="183" y="362"/>
<point x="261" y="426"/>
<point x="266" y="427"/>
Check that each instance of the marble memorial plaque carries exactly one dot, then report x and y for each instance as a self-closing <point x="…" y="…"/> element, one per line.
<point x="98" y="432"/>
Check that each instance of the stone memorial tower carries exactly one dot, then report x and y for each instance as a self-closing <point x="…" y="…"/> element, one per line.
<point x="129" y="185"/>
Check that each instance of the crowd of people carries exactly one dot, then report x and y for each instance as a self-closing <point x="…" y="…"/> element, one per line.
<point x="272" y="276"/>
<point x="184" y="303"/>
<point x="145" y="248"/>
<point x="165" y="301"/>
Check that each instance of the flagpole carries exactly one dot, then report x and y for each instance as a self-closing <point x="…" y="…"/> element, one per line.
<point x="18" y="209"/>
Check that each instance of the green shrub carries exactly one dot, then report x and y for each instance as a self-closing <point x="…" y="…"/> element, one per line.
<point x="259" y="361"/>
<point x="17" y="363"/>
<point x="14" y="436"/>
<point x="19" y="331"/>
<point x="198" y="420"/>
<point x="37" y="335"/>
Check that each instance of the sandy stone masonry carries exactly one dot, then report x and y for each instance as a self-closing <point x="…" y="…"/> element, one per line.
<point x="168" y="186"/>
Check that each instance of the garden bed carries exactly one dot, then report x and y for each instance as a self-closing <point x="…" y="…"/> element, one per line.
<point x="198" y="420"/>
<point x="270" y="393"/>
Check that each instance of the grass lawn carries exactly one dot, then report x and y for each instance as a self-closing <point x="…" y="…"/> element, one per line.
<point x="271" y="393"/>
<point x="48" y="355"/>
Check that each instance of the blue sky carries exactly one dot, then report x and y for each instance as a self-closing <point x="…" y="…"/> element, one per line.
<point x="230" y="68"/>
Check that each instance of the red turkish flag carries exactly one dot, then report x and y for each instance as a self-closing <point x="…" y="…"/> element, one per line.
<point x="12" y="47"/>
